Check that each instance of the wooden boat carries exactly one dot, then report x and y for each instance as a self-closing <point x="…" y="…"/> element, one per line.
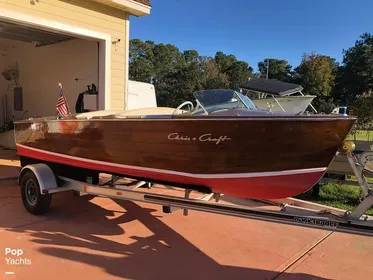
<point x="224" y="145"/>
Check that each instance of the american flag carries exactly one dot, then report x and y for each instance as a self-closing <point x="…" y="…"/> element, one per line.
<point x="61" y="105"/>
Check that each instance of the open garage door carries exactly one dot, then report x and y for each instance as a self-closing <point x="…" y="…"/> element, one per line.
<point x="33" y="62"/>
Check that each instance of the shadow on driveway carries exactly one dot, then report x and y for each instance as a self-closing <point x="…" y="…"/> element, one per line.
<point x="81" y="231"/>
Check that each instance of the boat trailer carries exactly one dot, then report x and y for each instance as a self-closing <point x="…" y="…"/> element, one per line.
<point x="39" y="182"/>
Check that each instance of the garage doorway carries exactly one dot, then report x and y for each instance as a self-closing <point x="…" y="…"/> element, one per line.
<point x="34" y="61"/>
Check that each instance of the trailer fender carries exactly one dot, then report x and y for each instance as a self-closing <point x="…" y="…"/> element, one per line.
<point x="46" y="178"/>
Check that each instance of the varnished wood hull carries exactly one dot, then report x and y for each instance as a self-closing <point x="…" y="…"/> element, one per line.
<point x="255" y="157"/>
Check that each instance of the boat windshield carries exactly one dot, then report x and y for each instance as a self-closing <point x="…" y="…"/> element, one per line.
<point x="212" y="100"/>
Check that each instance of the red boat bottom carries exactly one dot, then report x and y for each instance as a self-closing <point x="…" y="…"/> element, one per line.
<point x="260" y="185"/>
<point x="267" y="187"/>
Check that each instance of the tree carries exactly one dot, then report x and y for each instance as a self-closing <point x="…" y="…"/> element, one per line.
<point x="191" y="56"/>
<point x="238" y="74"/>
<point x="176" y="75"/>
<point x="334" y="64"/>
<point x="141" y="67"/>
<point x="316" y="74"/>
<point x="165" y="59"/>
<point x="362" y="108"/>
<point x="237" y="71"/>
<point x="213" y="78"/>
<point x="186" y="79"/>
<point x="278" y="69"/>
<point x="224" y="61"/>
<point x="156" y="64"/>
<point x="340" y="90"/>
<point x="356" y="74"/>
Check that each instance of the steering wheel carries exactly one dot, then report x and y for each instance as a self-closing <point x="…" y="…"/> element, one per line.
<point x="183" y="104"/>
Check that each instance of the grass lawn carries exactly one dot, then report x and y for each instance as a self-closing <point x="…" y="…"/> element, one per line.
<point x="338" y="196"/>
<point x="361" y="135"/>
<point x="342" y="196"/>
<point x="368" y="179"/>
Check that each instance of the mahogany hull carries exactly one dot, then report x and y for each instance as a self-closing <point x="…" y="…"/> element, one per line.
<point x="256" y="157"/>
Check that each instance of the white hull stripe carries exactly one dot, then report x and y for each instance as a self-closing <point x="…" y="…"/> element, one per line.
<point x="202" y="176"/>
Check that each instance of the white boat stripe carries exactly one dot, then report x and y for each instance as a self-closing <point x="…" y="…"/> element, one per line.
<point x="201" y="176"/>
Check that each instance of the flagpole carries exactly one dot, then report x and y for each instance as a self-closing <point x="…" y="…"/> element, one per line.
<point x="67" y="104"/>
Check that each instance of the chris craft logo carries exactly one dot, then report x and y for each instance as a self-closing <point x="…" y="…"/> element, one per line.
<point x="203" y="138"/>
<point x="15" y="257"/>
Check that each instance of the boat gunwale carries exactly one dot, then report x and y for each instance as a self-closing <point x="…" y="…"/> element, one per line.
<point x="198" y="118"/>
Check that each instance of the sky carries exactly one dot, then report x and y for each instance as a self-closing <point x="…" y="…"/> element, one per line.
<point x="255" y="29"/>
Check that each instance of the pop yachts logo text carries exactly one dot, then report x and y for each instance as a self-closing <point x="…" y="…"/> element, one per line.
<point x="203" y="138"/>
<point x="15" y="257"/>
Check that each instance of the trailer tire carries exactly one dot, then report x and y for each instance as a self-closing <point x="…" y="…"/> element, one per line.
<point x="34" y="202"/>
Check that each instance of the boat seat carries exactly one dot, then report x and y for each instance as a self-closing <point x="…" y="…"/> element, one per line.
<point x="135" y="113"/>
<point x="101" y="113"/>
<point x="143" y="112"/>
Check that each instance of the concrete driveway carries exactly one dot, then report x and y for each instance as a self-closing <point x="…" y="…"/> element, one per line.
<point x="99" y="238"/>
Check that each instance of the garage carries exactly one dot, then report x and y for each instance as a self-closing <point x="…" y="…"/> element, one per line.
<point x="81" y="44"/>
<point x="34" y="62"/>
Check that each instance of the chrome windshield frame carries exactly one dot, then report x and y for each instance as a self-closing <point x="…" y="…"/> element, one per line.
<point x="238" y="94"/>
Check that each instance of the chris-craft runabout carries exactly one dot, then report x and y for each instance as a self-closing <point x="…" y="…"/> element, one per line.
<point x="224" y="145"/>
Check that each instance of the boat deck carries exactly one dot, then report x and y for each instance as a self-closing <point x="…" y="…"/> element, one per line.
<point x="101" y="238"/>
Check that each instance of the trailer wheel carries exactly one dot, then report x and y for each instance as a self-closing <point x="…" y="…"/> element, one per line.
<point x="32" y="199"/>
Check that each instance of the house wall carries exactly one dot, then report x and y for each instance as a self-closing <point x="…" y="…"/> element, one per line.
<point x="41" y="69"/>
<point x="88" y="15"/>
